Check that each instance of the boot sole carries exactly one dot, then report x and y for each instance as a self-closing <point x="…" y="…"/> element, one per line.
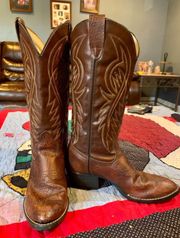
<point x="45" y="226"/>
<point x="87" y="181"/>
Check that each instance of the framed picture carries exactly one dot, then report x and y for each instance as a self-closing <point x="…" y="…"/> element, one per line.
<point x="60" y="12"/>
<point x="89" y="6"/>
<point x="21" y="5"/>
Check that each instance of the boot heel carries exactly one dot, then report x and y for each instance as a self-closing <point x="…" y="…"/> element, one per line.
<point x="86" y="181"/>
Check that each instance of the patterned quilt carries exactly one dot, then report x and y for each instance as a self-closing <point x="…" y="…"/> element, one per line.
<point x="151" y="143"/>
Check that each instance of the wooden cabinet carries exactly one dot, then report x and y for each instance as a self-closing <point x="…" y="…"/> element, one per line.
<point x="158" y="81"/>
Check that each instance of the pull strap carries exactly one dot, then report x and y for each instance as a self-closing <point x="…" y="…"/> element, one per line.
<point x="96" y="34"/>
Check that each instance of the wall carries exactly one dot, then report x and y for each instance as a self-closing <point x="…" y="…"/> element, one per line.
<point x="172" y="35"/>
<point x="38" y="20"/>
<point x="145" y="18"/>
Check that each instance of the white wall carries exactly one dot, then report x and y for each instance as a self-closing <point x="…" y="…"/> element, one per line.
<point x="145" y="18"/>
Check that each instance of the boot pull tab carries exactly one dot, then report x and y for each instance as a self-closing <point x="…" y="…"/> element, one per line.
<point x="96" y="34"/>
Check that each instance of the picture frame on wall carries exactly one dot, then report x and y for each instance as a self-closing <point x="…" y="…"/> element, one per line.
<point x="60" y="12"/>
<point x="89" y="6"/>
<point x="21" y="5"/>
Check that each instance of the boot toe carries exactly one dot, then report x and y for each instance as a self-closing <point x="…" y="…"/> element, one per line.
<point x="155" y="189"/>
<point x="45" y="215"/>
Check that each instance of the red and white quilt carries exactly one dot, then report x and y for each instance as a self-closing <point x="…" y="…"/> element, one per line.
<point x="152" y="144"/>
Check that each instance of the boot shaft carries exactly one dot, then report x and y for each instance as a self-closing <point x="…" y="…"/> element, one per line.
<point x="103" y="60"/>
<point x="46" y="78"/>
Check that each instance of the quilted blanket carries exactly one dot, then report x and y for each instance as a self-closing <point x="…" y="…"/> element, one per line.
<point x="151" y="143"/>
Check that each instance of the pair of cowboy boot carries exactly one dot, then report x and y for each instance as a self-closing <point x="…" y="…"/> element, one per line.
<point x="103" y="56"/>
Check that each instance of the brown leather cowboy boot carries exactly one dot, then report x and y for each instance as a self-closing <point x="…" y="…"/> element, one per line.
<point x="46" y="81"/>
<point x="103" y="59"/>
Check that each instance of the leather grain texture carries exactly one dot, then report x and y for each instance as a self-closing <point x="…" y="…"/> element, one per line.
<point x="100" y="84"/>
<point x="46" y="81"/>
<point x="12" y="86"/>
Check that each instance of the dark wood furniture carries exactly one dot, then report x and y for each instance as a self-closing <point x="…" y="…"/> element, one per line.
<point x="158" y="81"/>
